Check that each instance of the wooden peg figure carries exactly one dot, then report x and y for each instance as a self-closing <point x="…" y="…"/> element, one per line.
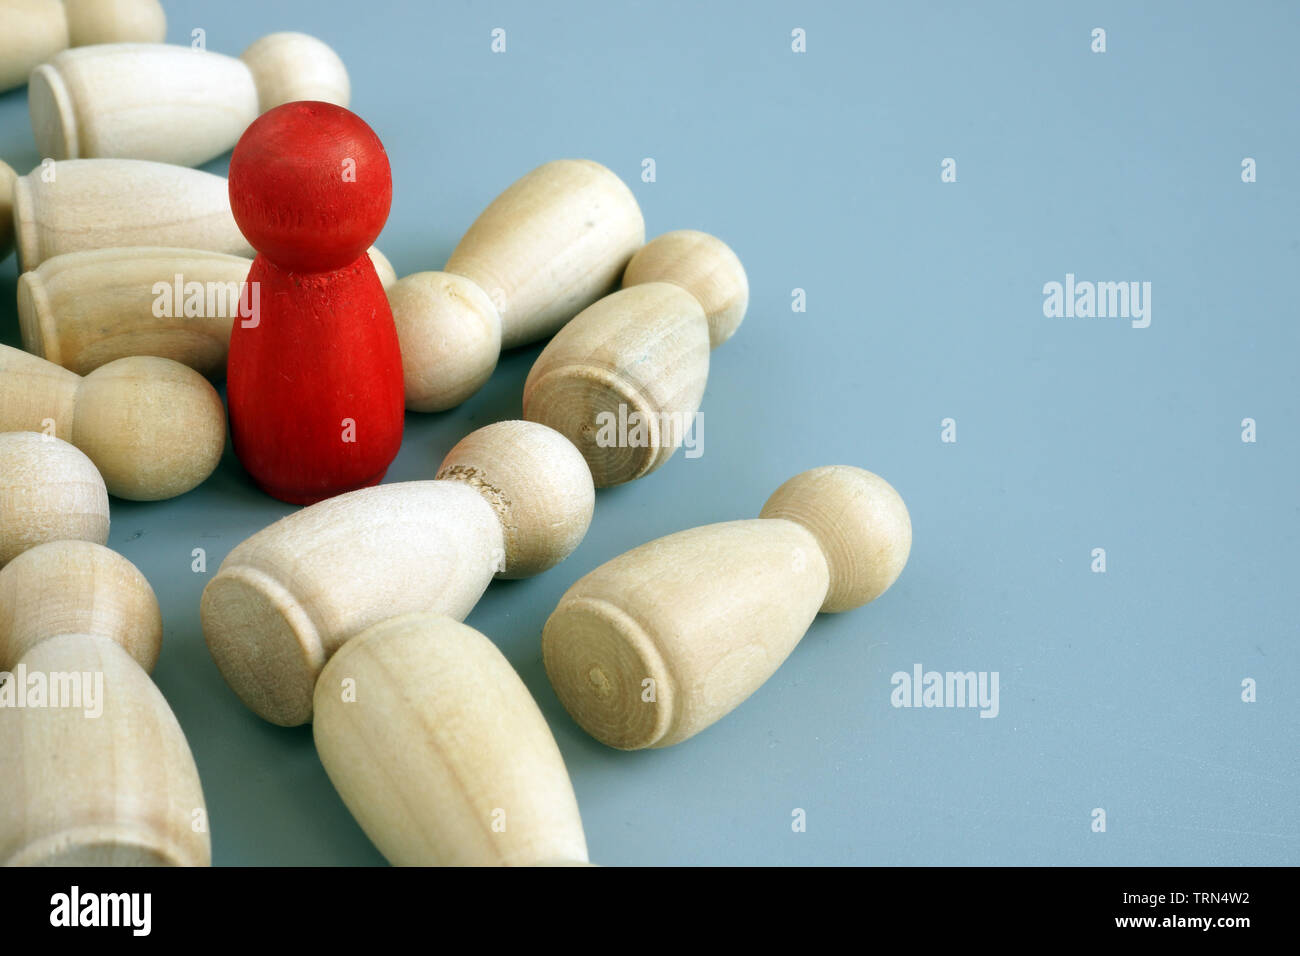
<point x="315" y="378"/>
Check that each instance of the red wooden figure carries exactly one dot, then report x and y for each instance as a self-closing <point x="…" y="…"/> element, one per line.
<point x="314" y="380"/>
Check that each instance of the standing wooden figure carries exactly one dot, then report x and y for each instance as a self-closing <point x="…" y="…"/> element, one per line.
<point x="314" y="380"/>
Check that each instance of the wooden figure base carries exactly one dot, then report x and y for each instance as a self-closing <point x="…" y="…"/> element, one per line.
<point x="315" y="385"/>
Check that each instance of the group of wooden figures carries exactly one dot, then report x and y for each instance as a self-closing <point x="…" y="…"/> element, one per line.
<point x="136" y="292"/>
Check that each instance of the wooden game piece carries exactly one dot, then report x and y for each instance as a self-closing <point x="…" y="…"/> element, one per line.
<point x="554" y="242"/>
<point x="440" y="752"/>
<point x="315" y="388"/>
<point x="535" y="482"/>
<point x="169" y="103"/>
<point x="77" y="587"/>
<point x="512" y="499"/>
<point x="7" y="179"/>
<point x="294" y="66"/>
<point x="450" y="334"/>
<point x="103" y="203"/>
<point x="551" y="244"/>
<point x="49" y="491"/>
<point x="657" y="644"/>
<point x="704" y="266"/>
<point x="35" y="30"/>
<point x="624" y="379"/>
<point x="97" y="770"/>
<point x="84" y="309"/>
<point x="153" y="427"/>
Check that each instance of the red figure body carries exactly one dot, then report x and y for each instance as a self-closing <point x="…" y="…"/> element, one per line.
<point x="314" y="377"/>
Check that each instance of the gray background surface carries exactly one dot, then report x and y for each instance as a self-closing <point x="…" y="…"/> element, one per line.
<point x="924" y="301"/>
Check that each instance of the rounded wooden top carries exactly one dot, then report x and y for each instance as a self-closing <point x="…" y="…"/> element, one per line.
<point x="310" y="186"/>
<point x="153" y="427"/>
<point x="537" y="483"/>
<point x="289" y="67"/>
<point x="859" y="520"/>
<point x="705" y="267"/>
<point x="50" y="492"/>
<point x="77" y="587"/>
<point x="450" y="333"/>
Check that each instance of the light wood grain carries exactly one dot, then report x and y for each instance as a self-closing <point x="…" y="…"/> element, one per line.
<point x="440" y="752"/>
<point x="35" y="30"/>
<point x="49" y="491"/>
<point x="84" y="204"/>
<point x="153" y="428"/>
<point x="659" y="643"/>
<point x="169" y="103"/>
<point x="82" y="310"/>
<point x="538" y="485"/>
<point x="554" y="242"/>
<point x="105" y="783"/>
<point x="450" y="335"/>
<point x="118" y="790"/>
<point x="640" y="355"/>
<point x="154" y="101"/>
<point x="860" y="523"/>
<point x="77" y="587"/>
<point x="85" y="309"/>
<point x="704" y="266"/>
<point x="294" y="66"/>
<point x="286" y="599"/>
<point x="115" y="21"/>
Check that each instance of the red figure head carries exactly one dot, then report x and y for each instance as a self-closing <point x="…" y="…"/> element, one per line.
<point x="310" y="186"/>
